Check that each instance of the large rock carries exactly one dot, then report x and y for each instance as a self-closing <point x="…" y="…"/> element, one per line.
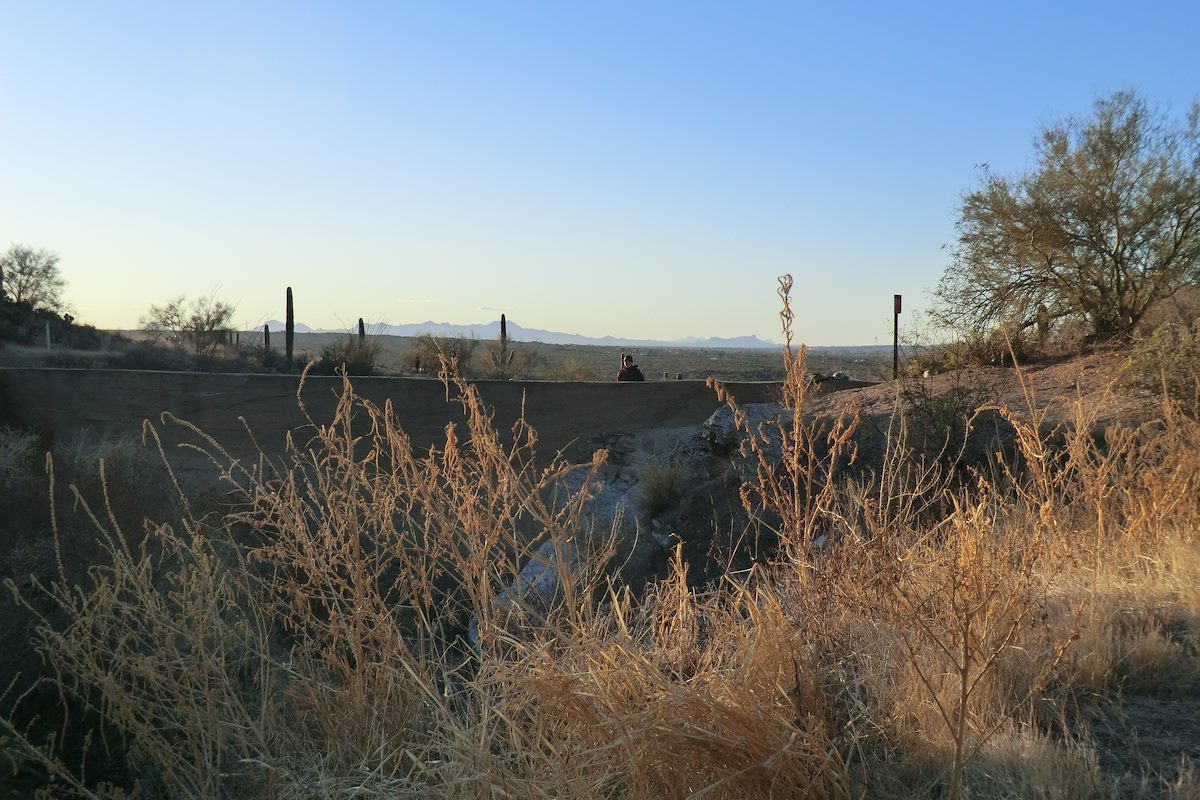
<point x="724" y="437"/>
<point x="642" y="548"/>
<point x="706" y="519"/>
<point x="765" y="421"/>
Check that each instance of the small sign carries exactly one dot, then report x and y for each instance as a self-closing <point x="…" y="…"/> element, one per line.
<point x="896" y="303"/>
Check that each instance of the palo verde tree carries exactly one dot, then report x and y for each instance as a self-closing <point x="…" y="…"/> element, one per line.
<point x="31" y="276"/>
<point x="1105" y="224"/>
<point x="203" y="325"/>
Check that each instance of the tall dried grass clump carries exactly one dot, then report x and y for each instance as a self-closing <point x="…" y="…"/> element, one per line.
<point x="18" y="449"/>
<point x="796" y="458"/>
<point x="952" y="614"/>
<point x="310" y="637"/>
<point x="687" y="693"/>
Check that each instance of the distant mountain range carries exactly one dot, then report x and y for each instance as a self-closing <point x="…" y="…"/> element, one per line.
<point x="516" y="333"/>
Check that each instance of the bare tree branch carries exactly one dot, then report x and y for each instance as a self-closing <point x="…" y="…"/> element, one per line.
<point x="32" y="276"/>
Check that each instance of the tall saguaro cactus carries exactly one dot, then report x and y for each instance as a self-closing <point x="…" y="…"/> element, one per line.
<point x="289" y="334"/>
<point x="506" y="357"/>
<point x="362" y="330"/>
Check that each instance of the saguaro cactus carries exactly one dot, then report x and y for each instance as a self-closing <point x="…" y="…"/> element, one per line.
<point x="289" y="334"/>
<point x="266" y="338"/>
<point x="506" y="356"/>
<point x="362" y="330"/>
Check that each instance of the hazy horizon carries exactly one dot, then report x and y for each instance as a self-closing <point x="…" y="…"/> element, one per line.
<point x="484" y="331"/>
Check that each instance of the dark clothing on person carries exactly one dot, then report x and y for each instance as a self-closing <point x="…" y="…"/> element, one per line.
<point x="630" y="373"/>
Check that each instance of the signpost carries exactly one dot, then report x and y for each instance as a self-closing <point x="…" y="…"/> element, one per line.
<point x="895" y="336"/>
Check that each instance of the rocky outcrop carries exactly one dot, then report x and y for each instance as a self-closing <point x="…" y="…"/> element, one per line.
<point x="723" y="435"/>
<point x="705" y="518"/>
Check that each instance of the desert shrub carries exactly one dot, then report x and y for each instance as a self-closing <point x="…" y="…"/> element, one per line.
<point x="247" y="357"/>
<point x="997" y="347"/>
<point x="1168" y="360"/>
<point x="203" y="325"/>
<point x="118" y="472"/>
<point x="660" y="487"/>
<point x="123" y="463"/>
<point x="22" y="324"/>
<point x="939" y="422"/>
<point x="18" y="323"/>
<point x="86" y="337"/>
<point x="47" y="537"/>
<point x="355" y="356"/>
<point x="18" y="450"/>
<point x="932" y="612"/>
<point x="795" y="458"/>
<point x="649" y="700"/>
<point x="1182" y="307"/>
<point x="427" y="349"/>
<point x="507" y="362"/>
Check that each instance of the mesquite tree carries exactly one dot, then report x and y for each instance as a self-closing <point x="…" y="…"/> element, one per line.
<point x="203" y="324"/>
<point x="1105" y="224"/>
<point x="31" y="276"/>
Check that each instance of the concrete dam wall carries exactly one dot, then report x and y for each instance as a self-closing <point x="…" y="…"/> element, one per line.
<point x="246" y="413"/>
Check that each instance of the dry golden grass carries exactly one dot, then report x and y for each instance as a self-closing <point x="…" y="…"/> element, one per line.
<point x="921" y="632"/>
<point x="660" y="486"/>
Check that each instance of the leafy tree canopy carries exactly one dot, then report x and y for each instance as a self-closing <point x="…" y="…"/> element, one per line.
<point x="1105" y="224"/>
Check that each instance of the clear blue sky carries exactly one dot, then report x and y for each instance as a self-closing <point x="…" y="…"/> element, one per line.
<point x="630" y="168"/>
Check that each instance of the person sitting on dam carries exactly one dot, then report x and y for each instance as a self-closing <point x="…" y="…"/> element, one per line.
<point x="629" y="370"/>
